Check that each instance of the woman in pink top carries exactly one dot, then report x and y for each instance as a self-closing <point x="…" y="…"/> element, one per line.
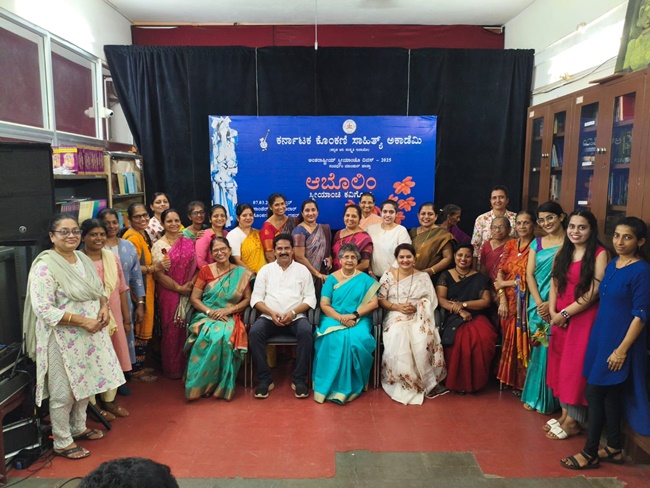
<point x="217" y="222"/>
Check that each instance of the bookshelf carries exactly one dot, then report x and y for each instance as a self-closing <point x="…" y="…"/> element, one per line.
<point x="588" y="150"/>
<point x="126" y="181"/>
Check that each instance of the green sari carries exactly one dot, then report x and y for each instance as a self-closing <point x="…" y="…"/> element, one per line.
<point x="216" y="349"/>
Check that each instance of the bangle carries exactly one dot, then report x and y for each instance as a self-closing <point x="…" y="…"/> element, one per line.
<point x="141" y="302"/>
<point x="294" y="314"/>
<point x="69" y="319"/>
<point x="433" y="271"/>
<point x="619" y="357"/>
<point x="391" y="306"/>
<point x="207" y="311"/>
<point x="500" y="292"/>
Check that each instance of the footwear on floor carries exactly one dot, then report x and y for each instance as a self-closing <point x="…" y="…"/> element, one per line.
<point x="108" y="416"/>
<point x="89" y="435"/>
<point x="437" y="391"/>
<point x="262" y="391"/>
<point x="301" y="389"/>
<point x="115" y="409"/>
<point x="572" y="463"/>
<point x="123" y="390"/>
<point x="550" y="424"/>
<point x="70" y="453"/>
<point x="142" y="377"/>
<point x="614" y="456"/>
<point x="557" y="433"/>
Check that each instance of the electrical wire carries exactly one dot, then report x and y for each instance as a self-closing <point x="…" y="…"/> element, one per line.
<point x="46" y="463"/>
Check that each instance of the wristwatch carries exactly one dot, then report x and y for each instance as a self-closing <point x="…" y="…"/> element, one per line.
<point x="356" y="314"/>
<point x="294" y="314"/>
<point x="464" y="304"/>
<point x="565" y="314"/>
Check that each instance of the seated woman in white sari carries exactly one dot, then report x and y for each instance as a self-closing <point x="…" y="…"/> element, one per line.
<point x="413" y="362"/>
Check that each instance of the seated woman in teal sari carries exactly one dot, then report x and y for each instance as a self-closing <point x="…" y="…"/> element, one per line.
<point x="217" y="342"/>
<point x="344" y="342"/>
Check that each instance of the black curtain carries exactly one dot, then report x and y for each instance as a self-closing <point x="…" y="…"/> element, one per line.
<point x="479" y="96"/>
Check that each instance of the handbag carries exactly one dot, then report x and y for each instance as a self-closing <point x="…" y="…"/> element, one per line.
<point x="449" y="328"/>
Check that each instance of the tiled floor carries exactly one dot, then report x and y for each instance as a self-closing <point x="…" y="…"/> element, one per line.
<point x="285" y="438"/>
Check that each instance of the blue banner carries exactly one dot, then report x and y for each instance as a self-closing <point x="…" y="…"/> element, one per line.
<point x="330" y="159"/>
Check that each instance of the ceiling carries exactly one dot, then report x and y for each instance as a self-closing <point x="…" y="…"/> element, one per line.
<point x="301" y="12"/>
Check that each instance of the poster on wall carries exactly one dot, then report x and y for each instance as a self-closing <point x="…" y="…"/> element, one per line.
<point x="634" y="52"/>
<point x="332" y="160"/>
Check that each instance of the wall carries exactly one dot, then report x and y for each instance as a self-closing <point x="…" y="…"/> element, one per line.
<point x="548" y="21"/>
<point x="88" y="24"/>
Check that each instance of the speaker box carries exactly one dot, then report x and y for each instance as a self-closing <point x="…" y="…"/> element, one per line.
<point x="26" y="192"/>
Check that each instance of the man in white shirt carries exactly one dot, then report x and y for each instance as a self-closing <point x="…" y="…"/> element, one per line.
<point x="283" y="293"/>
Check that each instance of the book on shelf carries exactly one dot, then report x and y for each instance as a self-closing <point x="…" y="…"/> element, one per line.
<point x="82" y="208"/>
<point x="556" y="187"/>
<point x="624" y="108"/>
<point x="554" y="161"/>
<point x="617" y="189"/>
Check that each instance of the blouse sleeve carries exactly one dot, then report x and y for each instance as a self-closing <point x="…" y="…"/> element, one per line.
<point x="403" y="236"/>
<point x="383" y="287"/>
<point x="235" y="240"/>
<point x="135" y="274"/>
<point x="203" y="278"/>
<point x="156" y="252"/>
<point x="42" y="292"/>
<point x="121" y="282"/>
<point x="641" y="294"/>
<point x="442" y="279"/>
<point x="299" y="236"/>
<point x="267" y="234"/>
<point x="201" y="247"/>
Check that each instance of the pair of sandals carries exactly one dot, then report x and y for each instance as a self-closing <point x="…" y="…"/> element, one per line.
<point x="611" y="456"/>
<point x="554" y="431"/>
<point x="88" y="435"/>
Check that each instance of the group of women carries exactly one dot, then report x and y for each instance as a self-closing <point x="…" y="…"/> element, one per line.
<point x="543" y="292"/>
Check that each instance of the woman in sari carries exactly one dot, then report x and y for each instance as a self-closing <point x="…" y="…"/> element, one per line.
<point x="413" y="362"/>
<point x="65" y="324"/>
<point x="217" y="222"/>
<point x="493" y="249"/>
<point x="174" y="287"/>
<point x="352" y="234"/>
<point x="467" y="335"/>
<point x="217" y="343"/>
<point x="196" y="214"/>
<point x="433" y="245"/>
<point x="449" y="218"/>
<point x="128" y="256"/>
<point x="277" y="223"/>
<point x="158" y="205"/>
<point x="512" y="299"/>
<point x="385" y="238"/>
<point x="137" y="235"/>
<point x="536" y="395"/>
<point x="244" y="241"/>
<point x="109" y="269"/>
<point x="344" y="343"/>
<point x="311" y="244"/>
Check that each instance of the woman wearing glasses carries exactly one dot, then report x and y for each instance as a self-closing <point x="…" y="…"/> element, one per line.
<point x="65" y="322"/>
<point x="137" y="235"/>
<point x="217" y="342"/>
<point x="536" y="395"/>
<point x="218" y="218"/>
<point x="196" y="214"/>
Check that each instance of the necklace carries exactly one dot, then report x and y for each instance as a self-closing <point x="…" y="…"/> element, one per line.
<point x="461" y="276"/>
<point x="417" y="254"/>
<point x="351" y="237"/>
<point x="520" y="249"/>
<point x="632" y="260"/>
<point x="348" y="276"/>
<point x="408" y="293"/>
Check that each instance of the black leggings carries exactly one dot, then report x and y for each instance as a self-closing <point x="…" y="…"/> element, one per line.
<point x="605" y="405"/>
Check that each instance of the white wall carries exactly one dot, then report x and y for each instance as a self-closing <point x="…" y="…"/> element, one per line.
<point x="88" y="24"/>
<point x="546" y="22"/>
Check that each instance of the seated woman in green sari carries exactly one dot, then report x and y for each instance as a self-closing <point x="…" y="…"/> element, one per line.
<point x="217" y="342"/>
<point x="344" y="342"/>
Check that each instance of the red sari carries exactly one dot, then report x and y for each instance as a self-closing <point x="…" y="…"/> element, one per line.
<point x="470" y="356"/>
<point x="174" y="332"/>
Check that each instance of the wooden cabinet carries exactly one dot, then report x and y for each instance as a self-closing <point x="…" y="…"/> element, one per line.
<point x="126" y="181"/>
<point x="589" y="151"/>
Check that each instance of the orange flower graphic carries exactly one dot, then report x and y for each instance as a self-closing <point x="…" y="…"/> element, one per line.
<point x="393" y="197"/>
<point x="407" y="204"/>
<point x="400" y="217"/>
<point x="350" y="202"/>
<point x="404" y="186"/>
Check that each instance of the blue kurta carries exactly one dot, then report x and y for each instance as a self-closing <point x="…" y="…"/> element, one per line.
<point x="624" y="294"/>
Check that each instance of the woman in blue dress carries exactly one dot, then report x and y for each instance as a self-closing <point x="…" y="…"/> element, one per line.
<point x="536" y="395"/>
<point x="344" y="342"/>
<point x="615" y="363"/>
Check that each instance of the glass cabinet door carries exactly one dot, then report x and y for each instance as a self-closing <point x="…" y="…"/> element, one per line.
<point x="557" y="155"/>
<point x="619" y="160"/>
<point x="535" y="159"/>
<point x="586" y="156"/>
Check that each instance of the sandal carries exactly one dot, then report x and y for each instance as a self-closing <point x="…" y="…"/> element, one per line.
<point x="611" y="456"/>
<point x="116" y="410"/>
<point x="572" y="463"/>
<point x="528" y="407"/>
<point x="89" y="435"/>
<point x="144" y="378"/>
<point x="69" y="453"/>
<point x="108" y="416"/>
<point x="557" y="433"/>
<point x="550" y="424"/>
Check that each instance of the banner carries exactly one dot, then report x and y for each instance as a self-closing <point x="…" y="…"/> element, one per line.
<point x="332" y="160"/>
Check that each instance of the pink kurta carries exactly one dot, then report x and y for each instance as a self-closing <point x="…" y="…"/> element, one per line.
<point x="119" y="336"/>
<point x="568" y="346"/>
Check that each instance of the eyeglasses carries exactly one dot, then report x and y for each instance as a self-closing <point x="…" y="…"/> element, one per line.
<point x="220" y="250"/>
<point x="198" y="212"/>
<point x="548" y="219"/>
<point x="498" y="227"/>
<point x="66" y="232"/>
<point x="140" y="217"/>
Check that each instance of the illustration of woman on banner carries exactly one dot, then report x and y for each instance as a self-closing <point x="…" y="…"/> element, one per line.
<point x="223" y="167"/>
